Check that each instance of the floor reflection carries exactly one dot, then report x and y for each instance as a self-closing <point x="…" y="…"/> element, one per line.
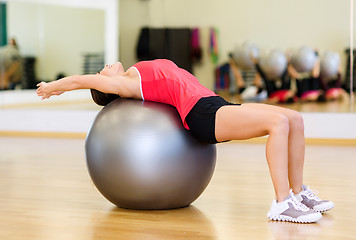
<point x="180" y="223"/>
<point x="300" y="231"/>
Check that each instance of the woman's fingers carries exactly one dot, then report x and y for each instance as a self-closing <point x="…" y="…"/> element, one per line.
<point x="40" y="84"/>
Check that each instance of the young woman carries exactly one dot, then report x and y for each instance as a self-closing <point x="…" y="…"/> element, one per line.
<point x="212" y="119"/>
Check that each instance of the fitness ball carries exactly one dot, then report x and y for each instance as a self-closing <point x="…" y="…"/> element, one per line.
<point x="242" y="55"/>
<point x="303" y="59"/>
<point x="273" y="63"/>
<point x="140" y="156"/>
<point x="329" y="64"/>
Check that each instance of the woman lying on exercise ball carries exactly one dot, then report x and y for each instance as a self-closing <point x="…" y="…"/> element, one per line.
<point x="211" y="119"/>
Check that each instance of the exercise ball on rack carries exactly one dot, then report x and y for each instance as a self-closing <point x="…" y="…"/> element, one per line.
<point x="140" y="156"/>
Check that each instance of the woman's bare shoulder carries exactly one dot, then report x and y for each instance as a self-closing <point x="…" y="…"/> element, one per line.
<point x="130" y="81"/>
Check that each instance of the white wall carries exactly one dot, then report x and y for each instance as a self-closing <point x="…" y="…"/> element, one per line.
<point x="56" y="35"/>
<point x="321" y="24"/>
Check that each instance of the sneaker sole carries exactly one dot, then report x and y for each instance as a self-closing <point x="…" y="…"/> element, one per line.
<point x="323" y="210"/>
<point x="309" y="219"/>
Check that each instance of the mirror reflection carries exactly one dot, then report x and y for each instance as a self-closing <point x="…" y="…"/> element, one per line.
<point x="51" y="45"/>
<point x="49" y="42"/>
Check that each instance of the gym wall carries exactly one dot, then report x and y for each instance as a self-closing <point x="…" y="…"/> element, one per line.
<point x="321" y="24"/>
<point x="56" y="35"/>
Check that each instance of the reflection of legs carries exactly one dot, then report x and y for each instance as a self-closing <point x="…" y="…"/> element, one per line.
<point x="309" y="90"/>
<point x="6" y="76"/>
<point x="336" y="94"/>
<point x="246" y="121"/>
<point x="238" y="76"/>
<point x="296" y="144"/>
<point x="312" y="96"/>
<point x="281" y="96"/>
<point x="4" y="80"/>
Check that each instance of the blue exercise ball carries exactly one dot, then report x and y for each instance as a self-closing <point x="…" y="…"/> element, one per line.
<point x="140" y="156"/>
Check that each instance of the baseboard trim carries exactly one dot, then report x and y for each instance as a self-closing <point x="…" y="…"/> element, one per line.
<point x="42" y="134"/>
<point x="261" y="140"/>
<point x="308" y="141"/>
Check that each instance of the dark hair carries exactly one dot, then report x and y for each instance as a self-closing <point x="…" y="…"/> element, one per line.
<point x="101" y="98"/>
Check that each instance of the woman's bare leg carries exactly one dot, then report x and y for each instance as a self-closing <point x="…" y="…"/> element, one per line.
<point x="244" y="122"/>
<point x="296" y="144"/>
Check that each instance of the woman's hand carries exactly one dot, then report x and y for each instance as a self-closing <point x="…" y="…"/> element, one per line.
<point x="44" y="91"/>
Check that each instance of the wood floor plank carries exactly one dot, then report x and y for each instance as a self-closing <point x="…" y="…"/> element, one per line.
<point x="46" y="193"/>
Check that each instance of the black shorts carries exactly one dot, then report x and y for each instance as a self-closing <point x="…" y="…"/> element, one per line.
<point x="201" y="118"/>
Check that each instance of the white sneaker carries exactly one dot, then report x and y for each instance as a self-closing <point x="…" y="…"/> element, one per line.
<point x="292" y="210"/>
<point x="309" y="199"/>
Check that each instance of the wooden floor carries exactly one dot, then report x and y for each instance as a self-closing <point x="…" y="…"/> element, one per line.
<point x="338" y="106"/>
<point x="46" y="193"/>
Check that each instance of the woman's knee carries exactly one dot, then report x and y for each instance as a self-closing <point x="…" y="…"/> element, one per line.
<point x="279" y="123"/>
<point x="296" y="121"/>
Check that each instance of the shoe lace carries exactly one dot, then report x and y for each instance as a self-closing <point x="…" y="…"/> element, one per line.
<point x="312" y="193"/>
<point x="298" y="204"/>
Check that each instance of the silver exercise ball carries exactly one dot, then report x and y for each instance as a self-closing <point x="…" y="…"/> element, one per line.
<point x="242" y="54"/>
<point x="303" y="59"/>
<point x="273" y="63"/>
<point x="329" y="64"/>
<point x="140" y="156"/>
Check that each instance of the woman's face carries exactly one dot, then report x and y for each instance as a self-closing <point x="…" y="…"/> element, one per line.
<point x="113" y="70"/>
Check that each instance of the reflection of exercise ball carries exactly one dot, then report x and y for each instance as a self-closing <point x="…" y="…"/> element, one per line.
<point x="329" y="64"/>
<point x="182" y="223"/>
<point x="242" y="55"/>
<point x="273" y="63"/>
<point x="303" y="59"/>
<point x="140" y="156"/>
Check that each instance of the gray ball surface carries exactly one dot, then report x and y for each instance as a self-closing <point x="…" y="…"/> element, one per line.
<point x="329" y="64"/>
<point x="140" y="156"/>
<point x="303" y="59"/>
<point x="273" y="63"/>
<point x="242" y="55"/>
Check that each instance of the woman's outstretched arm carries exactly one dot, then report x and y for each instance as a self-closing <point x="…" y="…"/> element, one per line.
<point x="99" y="82"/>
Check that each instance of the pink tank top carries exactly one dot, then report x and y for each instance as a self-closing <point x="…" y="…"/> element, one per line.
<point x="163" y="81"/>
